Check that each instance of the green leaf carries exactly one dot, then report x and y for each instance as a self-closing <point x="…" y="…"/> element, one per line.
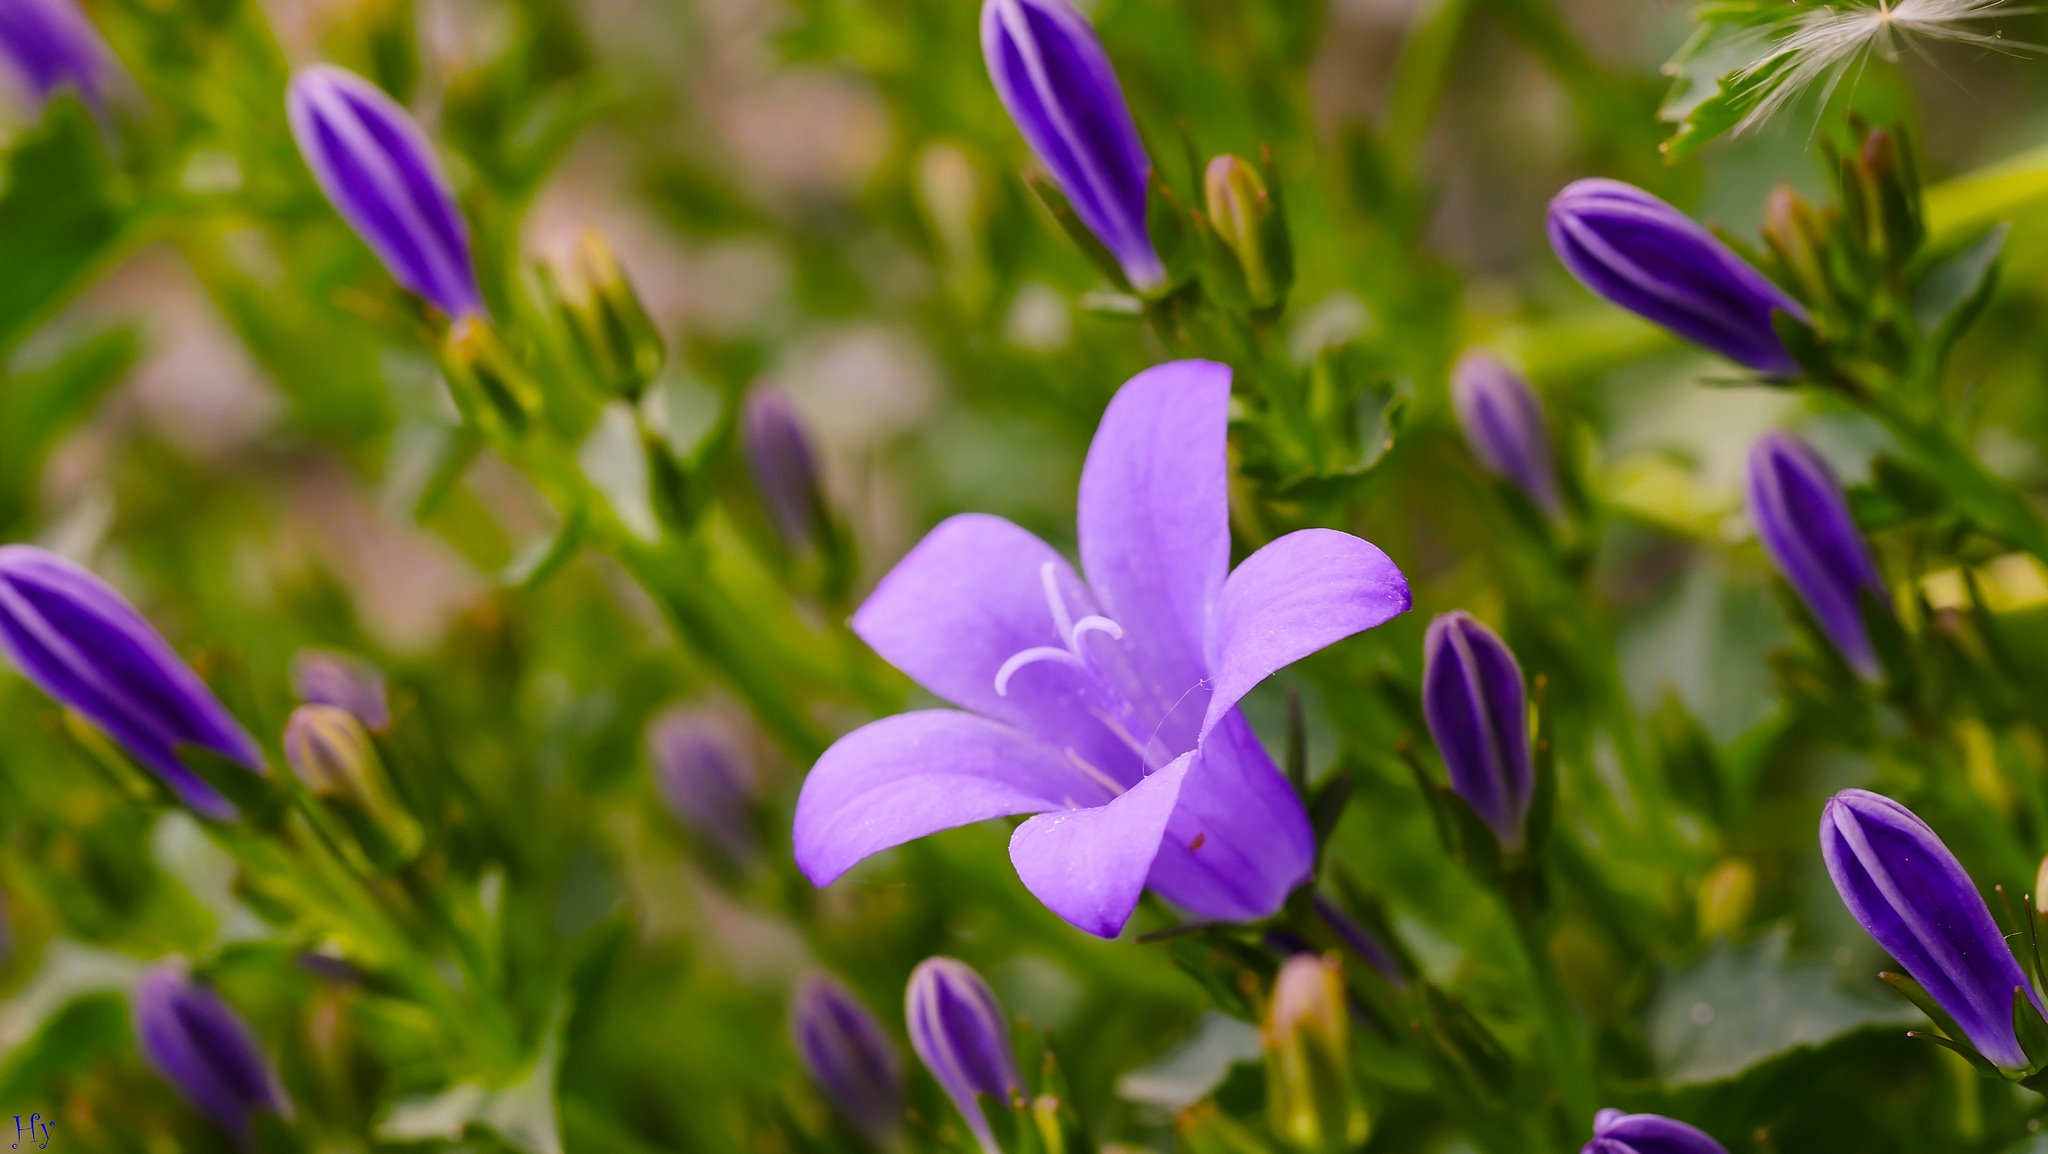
<point x="60" y="216"/>
<point x="1953" y="291"/>
<point x="1741" y="1006"/>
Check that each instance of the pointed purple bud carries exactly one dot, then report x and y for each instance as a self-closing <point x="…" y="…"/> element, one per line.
<point x="321" y="677"/>
<point x="1655" y="261"/>
<point x="958" y="1030"/>
<point x="1806" y="527"/>
<point x="1478" y="714"/>
<point x="705" y="773"/>
<point x="1059" y="87"/>
<point x="1364" y="941"/>
<point x="1503" y="422"/>
<point x="49" y="44"/>
<point x="379" y="170"/>
<point x="1913" y="897"/>
<point x="201" y="1046"/>
<point x="78" y="641"/>
<point x="1617" y="1133"/>
<point x="850" y="1059"/>
<point x="784" y="464"/>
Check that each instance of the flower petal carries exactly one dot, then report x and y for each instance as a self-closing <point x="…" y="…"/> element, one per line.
<point x="1239" y="841"/>
<point x="903" y="777"/>
<point x="1089" y="865"/>
<point x="1299" y="594"/>
<point x="1155" y="517"/>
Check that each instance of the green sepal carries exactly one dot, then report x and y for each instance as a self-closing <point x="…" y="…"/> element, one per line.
<point x="1917" y="994"/>
<point x="2030" y="1028"/>
<point x="1975" y="1059"/>
<point x="1056" y="203"/>
<point x="1276" y="240"/>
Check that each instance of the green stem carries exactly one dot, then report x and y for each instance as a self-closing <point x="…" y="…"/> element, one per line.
<point x="1975" y="491"/>
<point x="1562" y="1038"/>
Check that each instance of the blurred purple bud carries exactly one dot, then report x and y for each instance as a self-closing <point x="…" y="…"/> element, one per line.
<point x="78" y="641"/>
<point x="705" y="772"/>
<point x="49" y="44"/>
<point x="322" y="677"/>
<point x="1653" y="260"/>
<point x="1807" y="529"/>
<point x="784" y="464"/>
<point x="1503" y="422"/>
<point x="1478" y="714"/>
<point x="849" y="1057"/>
<point x="201" y="1046"/>
<point x="379" y="170"/>
<point x="958" y="1030"/>
<point x="1913" y="897"/>
<point x="1057" y="83"/>
<point x="1617" y="1133"/>
<point x="1361" y="940"/>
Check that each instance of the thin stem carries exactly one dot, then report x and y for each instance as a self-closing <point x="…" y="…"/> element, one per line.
<point x="1562" y="1038"/>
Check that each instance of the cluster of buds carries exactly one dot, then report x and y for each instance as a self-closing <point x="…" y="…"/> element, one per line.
<point x="1916" y="901"/>
<point x="1835" y="255"/>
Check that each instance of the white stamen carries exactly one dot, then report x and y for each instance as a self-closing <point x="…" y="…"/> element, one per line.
<point x="1031" y="656"/>
<point x="1062" y="621"/>
<point x="1094" y="623"/>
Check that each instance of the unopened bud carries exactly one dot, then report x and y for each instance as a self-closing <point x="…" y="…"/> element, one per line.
<point x="2041" y="889"/>
<point x="606" y="321"/>
<point x="1795" y="233"/>
<point x="1313" y="1099"/>
<point x="1727" y="895"/>
<point x="321" y="677"/>
<point x="333" y="756"/>
<point x="1242" y="213"/>
<point x="488" y="382"/>
<point x="785" y="466"/>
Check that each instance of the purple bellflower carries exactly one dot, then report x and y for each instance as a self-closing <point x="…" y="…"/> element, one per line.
<point x="198" y="1043"/>
<point x="49" y="44"/>
<point x="784" y="464"/>
<point x="1806" y="527"/>
<point x="1503" y="422"/>
<point x="78" y="641"/>
<point x="320" y="677"/>
<point x="848" y="1057"/>
<point x="1913" y="897"/>
<point x="705" y="774"/>
<point x="1107" y="706"/>
<point x="379" y="170"/>
<point x="1478" y="714"/>
<point x="1653" y="260"/>
<point x="1059" y="87"/>
<point x="958" y="1030"/>
<point x="1617" y="1133"/>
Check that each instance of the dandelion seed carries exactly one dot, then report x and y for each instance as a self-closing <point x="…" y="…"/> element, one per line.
<point x="1825" y="43"/>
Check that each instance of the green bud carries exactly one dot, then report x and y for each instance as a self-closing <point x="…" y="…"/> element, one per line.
<point x="1239" y="211"/>
<point x="607" y="325"/>
<point x="333" y="756"/>
<point x="1312" y="1098"/>
<point x="488" y="382"/>
<point x="1727" y="896"/>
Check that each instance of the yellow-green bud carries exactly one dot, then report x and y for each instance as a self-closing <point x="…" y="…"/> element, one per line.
<point x="1239" y="210"/>
<point x="605" y="319"/>
<point x="1727" y="895"/>
<point x="1312" y="1097"/>
<point x="332" y="754"/>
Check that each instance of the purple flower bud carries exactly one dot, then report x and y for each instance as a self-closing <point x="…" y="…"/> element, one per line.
<point x="1503" y="422"/>
<point x="705" y="773"/>
<point x="1617" y="1133"/>
<point x="849" y="1057"/>
<point x="1806" y="528"/>
<point x="784" y="465"/>
<point x="49" y="44"/>
<point x="79" y="642"/>
<point x="320" y="677"/>
<point x="959" y="1032"/>
<point x="1057" y="83"/>
<point x="1360" y="939"/>
<point x="379" y="170"/>
<point x="1655" y="261"/>
<point x="1478" y="713"/>
<point x="198" y="1042"/>
<point x="1913" y="897"/>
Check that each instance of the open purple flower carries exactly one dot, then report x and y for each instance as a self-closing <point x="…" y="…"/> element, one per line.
<point x="1617" y="1133"/>
<point x="1108" y="706"/>
<point x="1662" y="265"/>
<point x="1806" y="527"/>
<point x="378" y="169"/>
<point x="1915" y="899"/>
<point x="49" y="44"/>
<point x="1057" y="82"/>
<point x="204" y="1048"/>
<point x="78" y="641"/>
